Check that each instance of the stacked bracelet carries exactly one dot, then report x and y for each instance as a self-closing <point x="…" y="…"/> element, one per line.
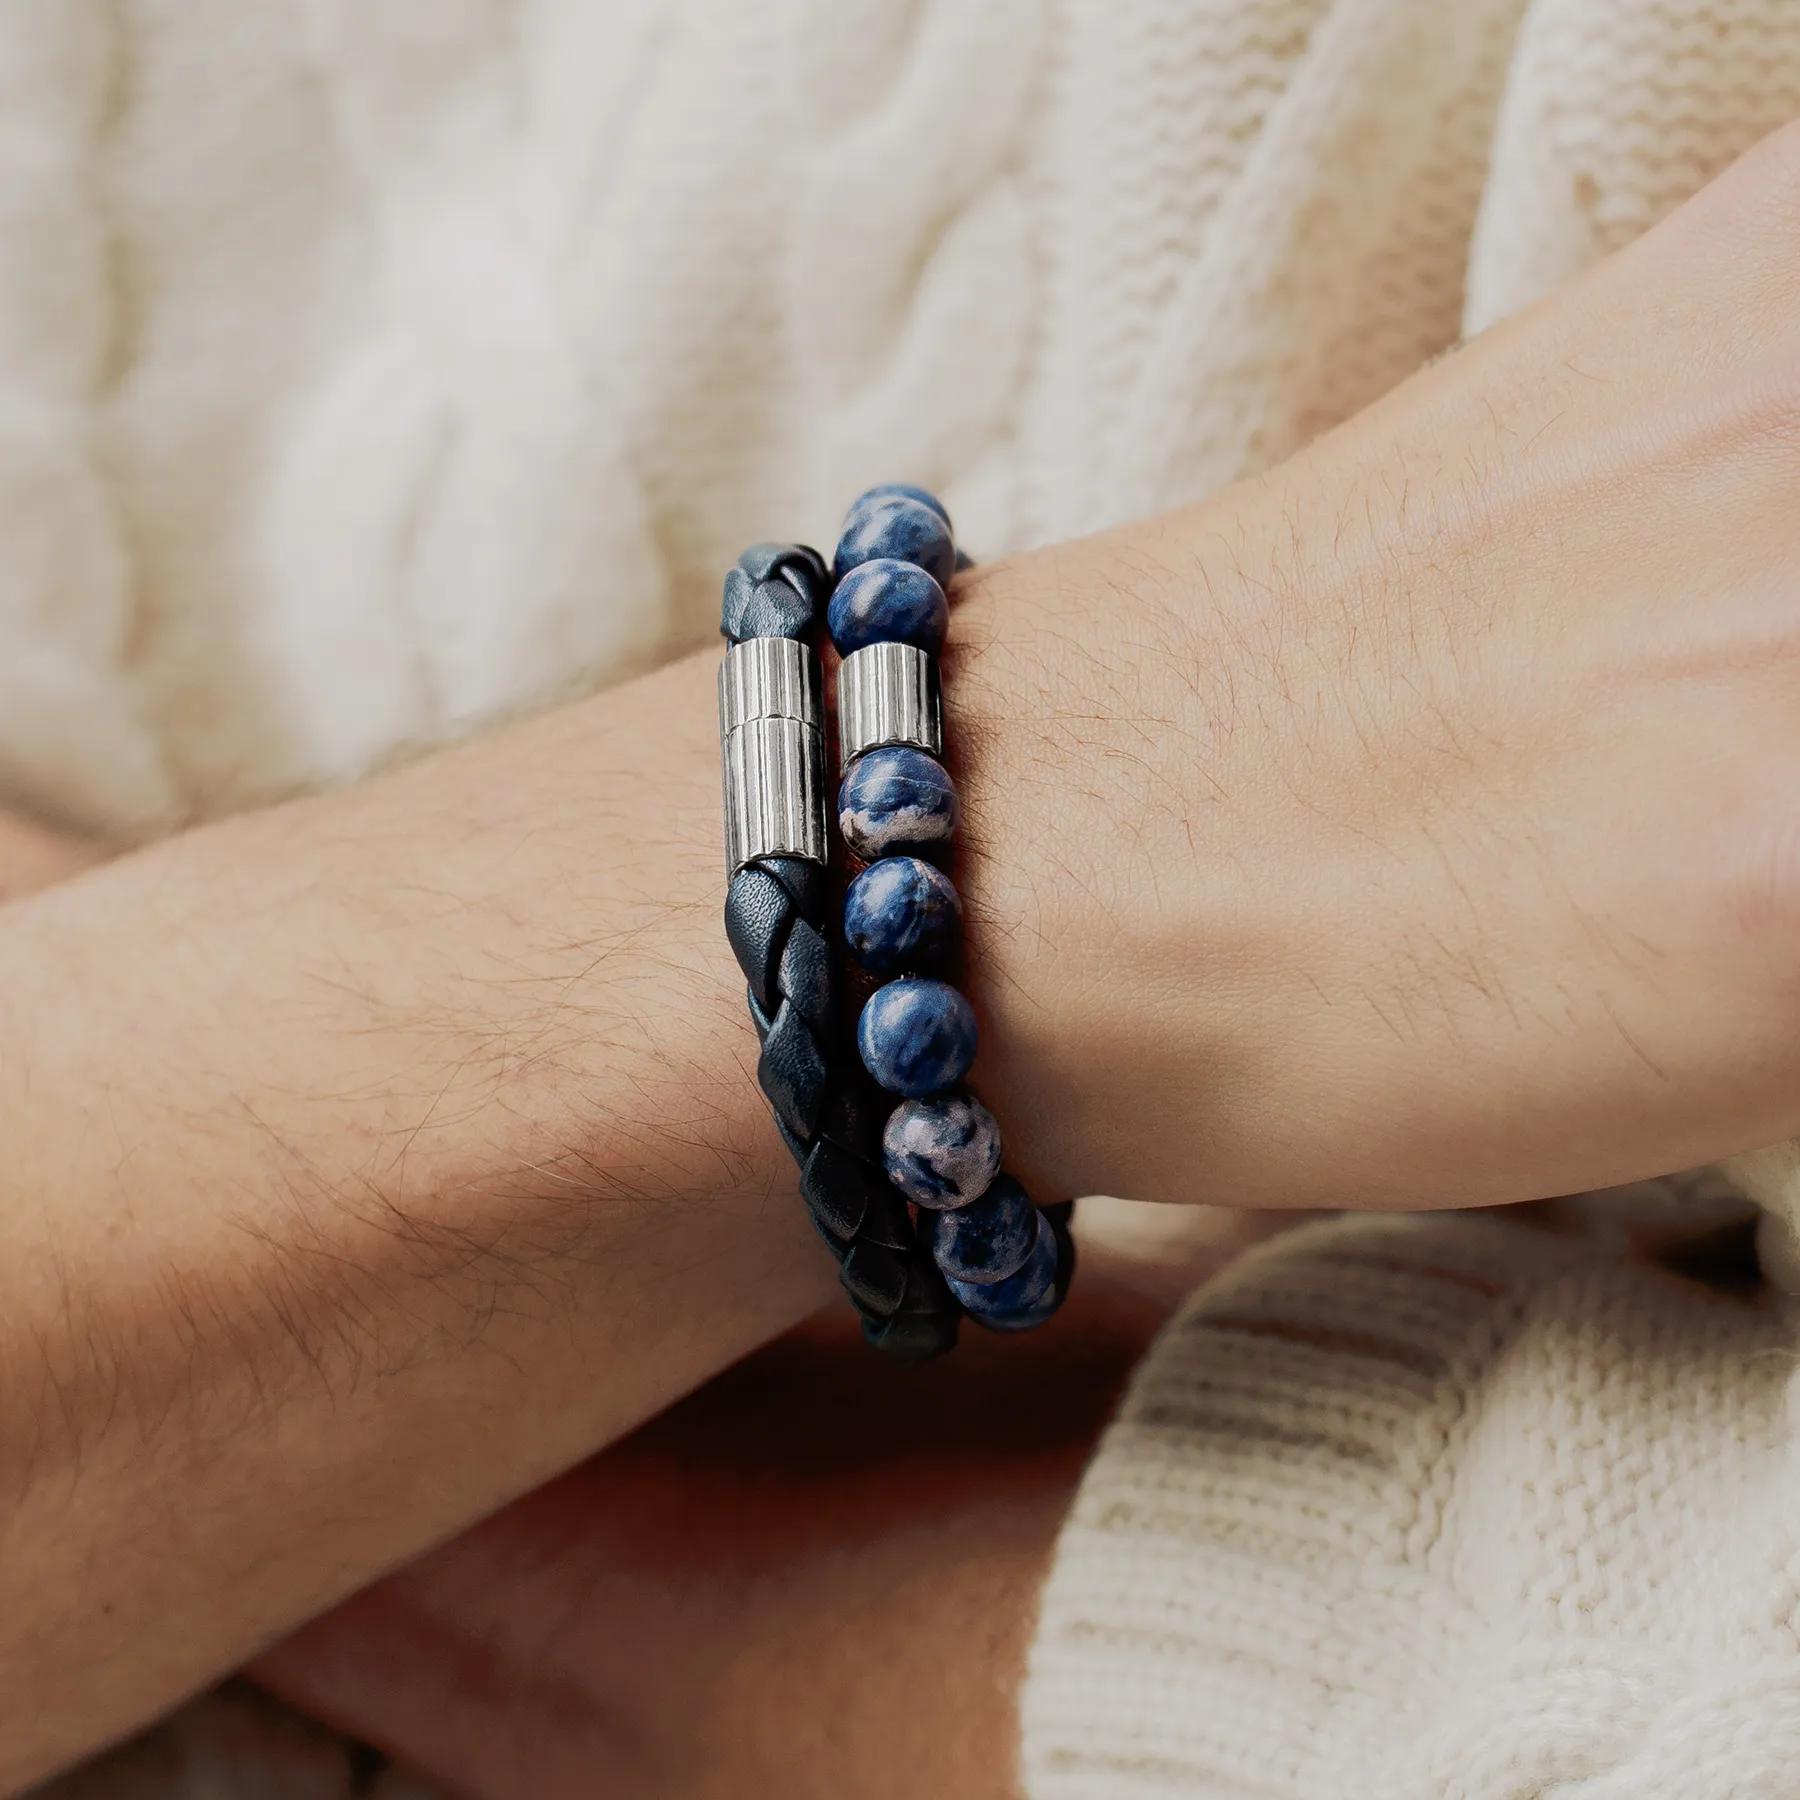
<point x="911" y="1197"/>
<point x="829" y="1113"/>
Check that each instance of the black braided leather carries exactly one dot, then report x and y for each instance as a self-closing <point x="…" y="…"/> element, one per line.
<point x="828" y="1110"/>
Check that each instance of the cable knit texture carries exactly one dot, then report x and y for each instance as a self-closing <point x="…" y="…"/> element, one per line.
<point x="369" y="372"/>
<point x="1435" y="1508"/>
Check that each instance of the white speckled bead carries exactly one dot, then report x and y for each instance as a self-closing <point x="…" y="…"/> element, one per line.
<point x="941" y="1153"/>
<point x="895" y="800"/>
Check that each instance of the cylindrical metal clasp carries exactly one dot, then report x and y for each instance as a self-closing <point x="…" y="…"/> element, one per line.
<point x="771" y="743"/>
<point x="888" y="694"/>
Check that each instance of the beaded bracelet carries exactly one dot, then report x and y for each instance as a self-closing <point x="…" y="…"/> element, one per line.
<point x="910" y="1197"/>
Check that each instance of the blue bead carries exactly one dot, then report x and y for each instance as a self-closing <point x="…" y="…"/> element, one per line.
<point x="1023" y="1299"/>
<point x="902" y="528"/>
<point x="988" y="1241"/>
<point x="907" y="491"/>
<point x="888" y="602"/>
<point x="901" y="913"/>
<point x="941" y="1153"/>
<point x="896" y="799"/>
<point x="917" y="1036"/>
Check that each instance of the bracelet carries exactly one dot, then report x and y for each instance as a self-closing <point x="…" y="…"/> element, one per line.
<point x="910" y="1197"/>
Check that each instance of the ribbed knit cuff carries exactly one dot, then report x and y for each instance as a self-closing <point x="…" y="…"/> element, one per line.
<point x="1247" y="1586"/>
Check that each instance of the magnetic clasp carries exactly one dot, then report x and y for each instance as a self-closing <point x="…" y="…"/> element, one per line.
<point x="772" y="751"/>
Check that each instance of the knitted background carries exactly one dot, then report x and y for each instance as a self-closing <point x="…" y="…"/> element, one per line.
<point x="369" y="373"/>
<point x="1435" y="1507"/>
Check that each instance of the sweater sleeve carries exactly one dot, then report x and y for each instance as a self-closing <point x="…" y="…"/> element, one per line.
<point x="1427" y="1506"/>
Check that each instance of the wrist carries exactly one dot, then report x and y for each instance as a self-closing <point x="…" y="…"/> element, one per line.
<point x="1118" y="977"/>
<point x="1182" y="908"/>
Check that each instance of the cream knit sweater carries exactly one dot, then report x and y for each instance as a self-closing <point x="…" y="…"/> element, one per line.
<point x="372" y="368"/>
<point x="1421" y="1508"/>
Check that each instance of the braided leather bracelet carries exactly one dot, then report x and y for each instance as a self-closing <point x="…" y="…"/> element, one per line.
<point x="976" y="1243"/>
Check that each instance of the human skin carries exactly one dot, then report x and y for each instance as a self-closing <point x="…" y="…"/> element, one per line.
<point x="1418" y="825"/>
<point x="369" y="1162"/>
<point x="816" y="1577"/>
<point x="622" y="1628"/>
<point x="1414" y="825"/>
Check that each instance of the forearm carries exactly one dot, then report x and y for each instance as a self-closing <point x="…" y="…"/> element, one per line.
<point x="368" y="1161"/>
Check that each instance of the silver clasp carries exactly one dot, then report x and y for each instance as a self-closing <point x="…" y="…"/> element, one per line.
<point x="771" y="741"/>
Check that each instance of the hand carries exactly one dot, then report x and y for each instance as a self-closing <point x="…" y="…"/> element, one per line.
<point x="1420" y="823"/>
<point x="817" y="1577"/>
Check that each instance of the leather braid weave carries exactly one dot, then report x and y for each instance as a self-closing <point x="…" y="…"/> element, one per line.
<point x="828" y="1110"/>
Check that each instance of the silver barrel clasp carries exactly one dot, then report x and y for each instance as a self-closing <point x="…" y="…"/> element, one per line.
<point x="771" y="741"/>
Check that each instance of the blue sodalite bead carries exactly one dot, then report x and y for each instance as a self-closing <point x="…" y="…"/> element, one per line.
<point x="888" y="602"/>
<point x="898" y="526"/>
<point x="989" y="1240"/>
<point x="917" y="1036"/>
<point x="941" y="1153"/>
<point x="1018" y="1302"/>
<point x="907" y="491"/>
<point x="896" y="799"/>
<point x="901" y="913"/>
